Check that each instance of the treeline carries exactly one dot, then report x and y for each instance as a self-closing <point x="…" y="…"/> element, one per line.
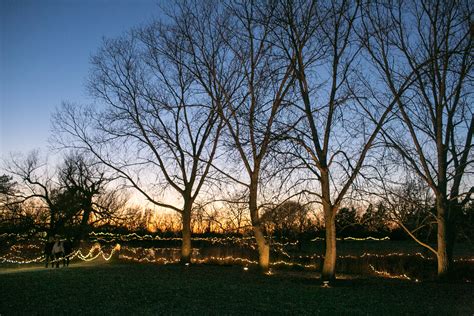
<point x="31" y="215"/>
<point x="249" y="105"/>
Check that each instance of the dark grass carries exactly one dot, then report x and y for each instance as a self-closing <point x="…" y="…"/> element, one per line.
<point x="134" y="289"/>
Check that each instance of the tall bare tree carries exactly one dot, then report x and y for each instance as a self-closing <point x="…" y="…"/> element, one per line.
<point x="235" y="61"/>
<point x="154" y="127"/>
<point x="338" y="122"/>
<point x="432" y="42"/>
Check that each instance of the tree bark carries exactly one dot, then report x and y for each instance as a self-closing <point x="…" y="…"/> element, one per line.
<point x="263" y="249"/>
<point x="329" y="266"/>
<point x="80" y="234"/>
<point x="186" y="234"/>
<point x="442" y="252"/>
<point x="262" y="243"/>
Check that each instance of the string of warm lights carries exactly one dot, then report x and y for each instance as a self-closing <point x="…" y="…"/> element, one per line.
<point x="113" y="237"/>
<point x="386" y="274"/>
<point x="96" y="251"/>
<point x="354" y="238"/>
<point x="109" y="237"/>
<point x="90" y="256"/>
<point x="22" y="261"/>
<point x="396" y="254"/>
<point x="171" y="255"/>
<point x="13" y="256"/>
<point x="376" y="255"/>
<point x="293" y="264"/>
<point x="19" y="247"/>
<point x="224" y="260"/>
<point x="148" y="260"/>
<point x="8" y="235"/>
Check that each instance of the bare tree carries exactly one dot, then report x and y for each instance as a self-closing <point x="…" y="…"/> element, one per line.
<point x="233" y="213"/>
<point x="289" y="219"/>
<point x="237" y="64"/>
<point x="6" y="186"/>
<point x="409" y="204"/>
<point x="71" y="195"/>
<point x="35" y="182"/>
<point x="84" y="193"/>
<point x="15" y="215"/>
<point x="154" y="127"/>
<point x="230" y="55"/>
<point x="339" y="123"/>
<point x="430" y="41"/>
<point x="228" y="215"/>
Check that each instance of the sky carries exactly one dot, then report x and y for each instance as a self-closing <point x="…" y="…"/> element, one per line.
<point x="45" y="48"/>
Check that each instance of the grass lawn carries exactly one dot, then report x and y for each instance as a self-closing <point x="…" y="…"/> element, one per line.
<point x="125" y="288"/>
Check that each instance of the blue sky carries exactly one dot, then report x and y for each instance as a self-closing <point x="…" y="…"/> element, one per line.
<point x="45" y="46"/>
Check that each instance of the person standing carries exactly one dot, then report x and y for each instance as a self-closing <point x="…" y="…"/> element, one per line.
<point x="58" y="250"/>
<point x="48" y="251"/>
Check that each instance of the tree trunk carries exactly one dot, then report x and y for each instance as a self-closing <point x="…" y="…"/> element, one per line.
<point x="82" y="226"/>
<point x="442" y="252"/>
<point x="329" y="266"/>
<point x="262" y="244"/>
<point x="263" y="249"/>
<point x="186" y="234"/>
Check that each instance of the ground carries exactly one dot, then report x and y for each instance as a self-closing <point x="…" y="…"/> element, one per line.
<point x="140" y="289"/>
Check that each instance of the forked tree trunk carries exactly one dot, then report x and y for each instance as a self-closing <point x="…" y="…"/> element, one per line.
<point x="186" y="235"/>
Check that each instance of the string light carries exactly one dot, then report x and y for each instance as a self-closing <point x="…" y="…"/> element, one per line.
<point x="355" y="238"/>
<point x="90" y="256"/>
<point x="391" y="276"/>
<point x="170" y="255"/>
<point x="278" y="251"/>
<point x="111" y="237"/>
<point x="35" y="260"/>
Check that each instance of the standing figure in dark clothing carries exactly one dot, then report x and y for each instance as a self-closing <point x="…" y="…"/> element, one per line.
<point x="58" y="250"/>
<point x="67" y="245"/>
<point x="48" y="251"/>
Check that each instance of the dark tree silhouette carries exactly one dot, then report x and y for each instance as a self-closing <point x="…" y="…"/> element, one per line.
<point x="429" y="43"/>
<point x="333" y="133"/>
<point x="155" y="128"/>
<point x="234" y="60"/>
<point x="84" y="198"/>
